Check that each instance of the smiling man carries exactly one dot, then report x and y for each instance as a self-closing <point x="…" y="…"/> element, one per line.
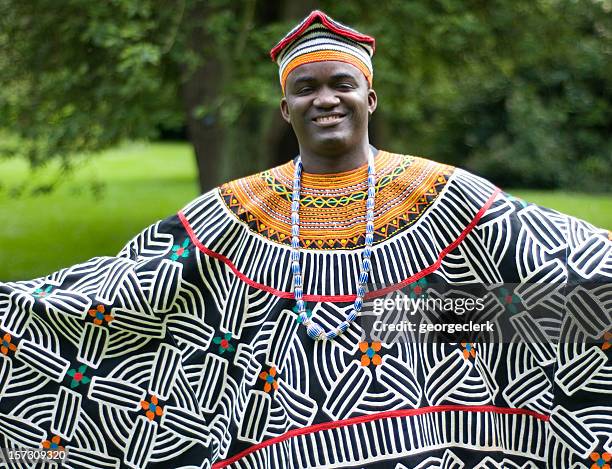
<point x="233" y="334"/>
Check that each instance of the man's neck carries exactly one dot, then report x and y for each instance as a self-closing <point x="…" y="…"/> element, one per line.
<point x="335" y="163"/>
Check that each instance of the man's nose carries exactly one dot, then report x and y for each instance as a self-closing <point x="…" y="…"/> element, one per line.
<point x="326" y="98"/>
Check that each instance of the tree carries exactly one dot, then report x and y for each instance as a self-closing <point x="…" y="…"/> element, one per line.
<point x="82" y="76"/>
<point x="519" y="91"/>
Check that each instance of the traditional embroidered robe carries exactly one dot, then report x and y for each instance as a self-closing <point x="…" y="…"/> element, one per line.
<point x="184" y="350"/>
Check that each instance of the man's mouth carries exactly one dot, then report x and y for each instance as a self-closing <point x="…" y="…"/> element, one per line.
<point x="328" y="119"/>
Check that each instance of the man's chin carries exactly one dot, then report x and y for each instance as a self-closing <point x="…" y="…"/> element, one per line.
<point x="333" y="143"/>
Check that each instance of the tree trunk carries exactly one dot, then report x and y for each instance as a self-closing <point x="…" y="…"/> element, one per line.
<point x="199" y="88"/>
<point x="278" y="138"/>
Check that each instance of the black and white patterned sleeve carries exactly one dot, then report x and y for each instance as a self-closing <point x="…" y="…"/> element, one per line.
<point x="581" y="419"/>
<point x="91" y="363"/>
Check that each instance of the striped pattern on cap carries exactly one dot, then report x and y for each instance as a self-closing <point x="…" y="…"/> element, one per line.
<point x="319" y="38"/>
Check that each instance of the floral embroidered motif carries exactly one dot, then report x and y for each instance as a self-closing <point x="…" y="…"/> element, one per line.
<point x="300" y="319"/>
<point x="469" y="350"/>
<point x="512" y="198"/>
<point x="509" y="300"/>
<point x="369" y="353"/>
<point x="180" y="251"/>
<point x="78" y="376"/>
<point x="7" y="345"/>
<point x="152" y="407"/>
<point x="99" y="315"/>
<point x="224" y="343"/>
<point x="269" y="378"/>
<point x="607" y="341"/>
<point x="601" y="460"/>
<point x="41" y="293"/>
<point x="417" y="289"/>
<point x="53" y="444"/>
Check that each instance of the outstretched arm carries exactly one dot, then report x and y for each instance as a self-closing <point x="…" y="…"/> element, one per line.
<point x="88" y="361"/>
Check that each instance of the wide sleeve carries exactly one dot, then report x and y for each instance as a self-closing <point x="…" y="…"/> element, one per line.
<point x="581" y="419"/>
<point x="89" y="362"/>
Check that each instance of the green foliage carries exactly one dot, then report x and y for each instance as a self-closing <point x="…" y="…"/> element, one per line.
<point x="545" y="129"/>
<point x="519" y="91"/>
<point x="79" y="76"/>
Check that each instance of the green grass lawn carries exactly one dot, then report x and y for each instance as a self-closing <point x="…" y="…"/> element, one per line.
<point x="594" y="208"/>
<point x="141" y="183"/>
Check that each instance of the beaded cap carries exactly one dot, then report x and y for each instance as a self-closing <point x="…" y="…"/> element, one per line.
<point x="319" y="38"/>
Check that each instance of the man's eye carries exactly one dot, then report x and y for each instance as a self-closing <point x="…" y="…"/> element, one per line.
<point x="345" y="86"/>
<point x="304" y="90"/>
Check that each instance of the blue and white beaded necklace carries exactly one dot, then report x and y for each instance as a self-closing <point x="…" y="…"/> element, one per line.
<point x="314" y="330"/>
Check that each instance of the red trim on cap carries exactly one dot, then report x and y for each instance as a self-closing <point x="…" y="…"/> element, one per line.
<point x="379" y="416"/>
<point x="328" y="23"/>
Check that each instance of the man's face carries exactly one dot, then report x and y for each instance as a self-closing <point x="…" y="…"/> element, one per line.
<point x="328" y="105"/>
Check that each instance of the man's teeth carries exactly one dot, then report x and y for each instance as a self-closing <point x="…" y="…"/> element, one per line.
<point x="326" y="119"/>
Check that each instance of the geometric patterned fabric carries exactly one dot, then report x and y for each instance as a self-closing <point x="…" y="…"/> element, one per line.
<point x="184" y="350"/>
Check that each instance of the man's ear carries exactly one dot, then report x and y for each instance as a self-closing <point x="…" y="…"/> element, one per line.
<point x="372" y="101"/>
<point x="284" y="107"/>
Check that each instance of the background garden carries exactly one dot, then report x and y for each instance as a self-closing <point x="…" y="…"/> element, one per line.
<point x="115" y="114"/>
